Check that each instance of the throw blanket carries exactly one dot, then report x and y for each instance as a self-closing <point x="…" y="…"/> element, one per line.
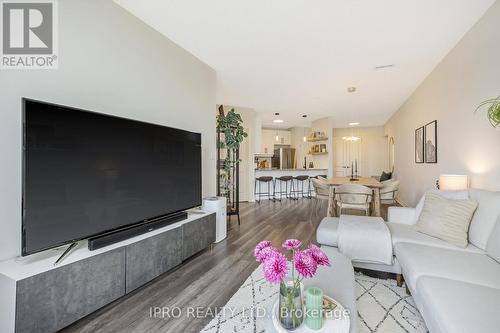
<point x="365" y="239"/>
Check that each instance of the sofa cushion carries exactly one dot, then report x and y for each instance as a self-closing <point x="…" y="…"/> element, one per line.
<point x="326" y="234"/>
<point x="456" y="195"/>
<point x="493" y="247"/>
<point x="403" y="233"/>
<point x="420" y="260"/>
<point x="450" y="306"/>
<point x="447" y="219"/>
<point x="485" y="217"/>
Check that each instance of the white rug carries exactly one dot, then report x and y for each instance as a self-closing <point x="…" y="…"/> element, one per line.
<point x="382" y="307"/>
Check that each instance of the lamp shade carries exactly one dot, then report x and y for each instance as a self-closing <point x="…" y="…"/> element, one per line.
<point x="453" y="182"/>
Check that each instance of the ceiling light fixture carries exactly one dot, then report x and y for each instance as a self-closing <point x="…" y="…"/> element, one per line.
<point x="353" y="124"/>
<point x="278" y="121"/>
<point x="351" y="89"/>
<point x="351" y="138"/>
<point x="277" y="136"/>
<point x="304" y="116"/>
<point x="276" y="113"/>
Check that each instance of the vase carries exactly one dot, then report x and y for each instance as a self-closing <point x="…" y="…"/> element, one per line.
<point x="291" y="305"/>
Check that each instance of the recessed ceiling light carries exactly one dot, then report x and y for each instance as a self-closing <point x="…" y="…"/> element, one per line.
<point x="353" y="124"/>
<point x="351" y="89"/>
<point x="276" y="113"/>
<point x="304" y="116"/>
<point x="277" y="121"/>
<point x="384" y="66"/>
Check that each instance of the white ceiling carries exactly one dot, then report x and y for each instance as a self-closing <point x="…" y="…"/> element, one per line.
<point x="299" y="56"/>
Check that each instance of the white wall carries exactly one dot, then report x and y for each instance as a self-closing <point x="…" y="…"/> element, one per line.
<point x="324" y="161"/>
<point x="112" y="63"/>
<point x="467" y="144"/>
<point x="374" y="148"/>
<point x="301" y="147"/>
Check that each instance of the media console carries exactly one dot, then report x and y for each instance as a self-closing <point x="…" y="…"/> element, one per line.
<point x="40" y="297"/>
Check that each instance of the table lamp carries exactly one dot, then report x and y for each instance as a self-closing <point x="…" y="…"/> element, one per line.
<point x="453" y="182"/>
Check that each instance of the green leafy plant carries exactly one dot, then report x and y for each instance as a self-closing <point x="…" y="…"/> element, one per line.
<point x="493" y="110"/>
<point x="230" y="126"/>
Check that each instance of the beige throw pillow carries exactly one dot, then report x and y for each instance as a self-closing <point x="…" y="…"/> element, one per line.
<point x="446" y="219"/>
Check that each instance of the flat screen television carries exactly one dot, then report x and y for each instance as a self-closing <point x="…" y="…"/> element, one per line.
<point x="85" y="173"/>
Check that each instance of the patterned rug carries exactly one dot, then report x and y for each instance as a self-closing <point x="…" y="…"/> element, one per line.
<point x="382" y="307"/>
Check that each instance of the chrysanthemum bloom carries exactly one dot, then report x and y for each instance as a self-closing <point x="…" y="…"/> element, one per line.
<point x="290" y="244"/>
<point x="318" y="255"/>
<point x="259" y="248"/>
<point x="305" y="264"/>
<point x="275" y="267"/>
<point x="265" y="253"/>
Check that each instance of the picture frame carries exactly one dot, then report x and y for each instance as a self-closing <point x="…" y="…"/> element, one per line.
<point x="430" y="142"/>
<point x="419" y="145"/>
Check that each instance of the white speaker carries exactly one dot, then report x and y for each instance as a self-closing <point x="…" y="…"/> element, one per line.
<point x="217" y="205"/>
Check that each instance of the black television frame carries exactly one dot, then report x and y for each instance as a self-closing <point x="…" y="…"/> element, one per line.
<point x="106" y="232"/>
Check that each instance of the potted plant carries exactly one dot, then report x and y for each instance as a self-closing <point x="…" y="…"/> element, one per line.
<point x="493" y="111"/>
<point x="277" y="269"/>
<point x="231" y="132"/>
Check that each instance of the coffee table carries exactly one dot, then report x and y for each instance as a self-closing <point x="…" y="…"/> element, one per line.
<point x="337" y="282"/>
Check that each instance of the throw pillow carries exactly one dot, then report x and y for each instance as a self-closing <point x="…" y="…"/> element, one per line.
<point x="493" y="247"/>
<point x="455" y="195"/>
<point x="485" y="217"/>
<point x="446" y="219"/>
<point x="385" y="176"/>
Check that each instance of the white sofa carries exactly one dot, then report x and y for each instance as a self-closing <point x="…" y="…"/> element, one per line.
<point x="455" y="289"/>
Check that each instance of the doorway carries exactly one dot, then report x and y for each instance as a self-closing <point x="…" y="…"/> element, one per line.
<point x="345" y="155"/>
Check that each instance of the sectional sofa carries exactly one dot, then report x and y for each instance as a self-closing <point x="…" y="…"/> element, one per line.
<point x="455" y="289"/>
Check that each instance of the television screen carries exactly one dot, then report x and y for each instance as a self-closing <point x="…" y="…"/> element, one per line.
<point x="87" y="173"/>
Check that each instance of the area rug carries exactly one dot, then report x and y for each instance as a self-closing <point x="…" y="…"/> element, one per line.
<point x="382" y="307"/>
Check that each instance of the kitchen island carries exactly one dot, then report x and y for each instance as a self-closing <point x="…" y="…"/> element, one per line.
<point x="276" y="172"/>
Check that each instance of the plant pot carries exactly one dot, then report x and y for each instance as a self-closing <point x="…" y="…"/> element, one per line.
<point x="291" y="305"/>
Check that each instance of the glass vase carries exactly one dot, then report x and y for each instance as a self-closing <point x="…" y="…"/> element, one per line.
<point x="291" y="305"/>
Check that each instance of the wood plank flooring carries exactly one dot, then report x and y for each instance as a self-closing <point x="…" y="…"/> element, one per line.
<point x="210" y="278"/>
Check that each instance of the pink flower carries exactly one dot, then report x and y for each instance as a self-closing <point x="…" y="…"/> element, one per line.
<point x="318" y="255"/>
<point x="305" y="264"/>
<point x="275" y="267"/>
<point x="262" y="245"/>
<point x="290" y="244"/>
<point x="266" y="253"/>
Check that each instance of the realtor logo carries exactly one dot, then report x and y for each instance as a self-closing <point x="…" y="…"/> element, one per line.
<point x="29" y="39"/>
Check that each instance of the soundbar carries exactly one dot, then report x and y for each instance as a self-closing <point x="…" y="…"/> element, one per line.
<point x="106" y="239"/>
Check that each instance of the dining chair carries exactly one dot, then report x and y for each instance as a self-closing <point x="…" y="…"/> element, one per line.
<point x="388" y="192"/>
<point x="321" y="190"/>
<point x="353" y="196"/>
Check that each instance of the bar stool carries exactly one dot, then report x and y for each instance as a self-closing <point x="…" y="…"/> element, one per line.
<point x="300" y="191"/>
<point x="266" y="180"/>
<point x="282" y="180"/>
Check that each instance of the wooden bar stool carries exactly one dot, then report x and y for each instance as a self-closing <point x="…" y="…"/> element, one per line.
<point x="258" y="192"/>
<point x="283" y="180"/>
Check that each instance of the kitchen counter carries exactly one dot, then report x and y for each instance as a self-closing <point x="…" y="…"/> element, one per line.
<point x="275" y="172"/>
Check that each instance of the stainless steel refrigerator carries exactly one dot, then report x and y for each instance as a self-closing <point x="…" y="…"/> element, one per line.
<point x="284" y="157"/>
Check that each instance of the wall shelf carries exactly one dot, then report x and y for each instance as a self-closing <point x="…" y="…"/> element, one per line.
<point x="320" y="153"/>
<point x="317" y="139"/>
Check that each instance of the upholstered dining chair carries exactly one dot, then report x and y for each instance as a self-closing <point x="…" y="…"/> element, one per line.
<point x="353" y="196"/>
<point x="388" y="192"/>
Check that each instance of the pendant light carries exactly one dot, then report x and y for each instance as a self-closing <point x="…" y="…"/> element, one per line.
<point x="277" y="135"/>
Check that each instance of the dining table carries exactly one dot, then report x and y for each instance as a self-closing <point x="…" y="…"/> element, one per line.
<point x="370" y="182"/>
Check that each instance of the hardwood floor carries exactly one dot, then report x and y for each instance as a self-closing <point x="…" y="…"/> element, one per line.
<point x="210" y="278"/>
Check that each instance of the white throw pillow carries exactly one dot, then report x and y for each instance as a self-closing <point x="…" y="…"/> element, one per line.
<point x="457" y="195"/>
<point x="446" y="219"/>
<point x="485" y="217"/>
<point x="493" y="247"/>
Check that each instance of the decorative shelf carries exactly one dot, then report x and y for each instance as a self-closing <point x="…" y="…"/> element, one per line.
<point x="317" y="139"/>
<point x="320" y="153"/>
